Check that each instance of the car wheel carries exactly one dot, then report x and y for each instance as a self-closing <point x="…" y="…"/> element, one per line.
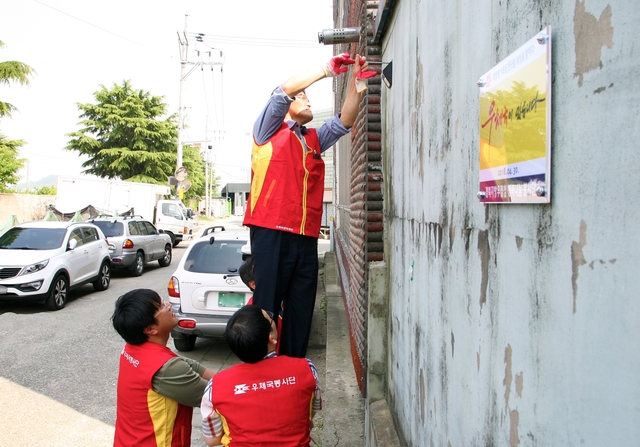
<point x="166" y="259"/>
<point x="137" y="268"/>
<point x="104" y="277"/>
<point x="185" y="343"/>
<point x="176" y="242"/>
<point x="57" y="297"/>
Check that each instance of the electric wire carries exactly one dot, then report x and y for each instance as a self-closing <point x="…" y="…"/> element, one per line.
<point x="218" y="119"/>
<point x="254" y="41"/>
<point x="205" y="40"/>
<point x="201" y="37"/>
<point x="206" y="99"/>
<point x="98" y="27"/>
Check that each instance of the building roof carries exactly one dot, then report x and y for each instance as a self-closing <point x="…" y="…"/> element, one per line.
<point x="236" y="187"/>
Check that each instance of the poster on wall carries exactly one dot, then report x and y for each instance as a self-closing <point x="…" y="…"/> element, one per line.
<point x="515" y="126"/>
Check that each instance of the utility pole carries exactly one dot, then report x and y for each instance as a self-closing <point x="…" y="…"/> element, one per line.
<point x="183" y="41"/>
<point x="27" y="187"/>
<point x="184" y="47"/>
<point x="207" y="196"/>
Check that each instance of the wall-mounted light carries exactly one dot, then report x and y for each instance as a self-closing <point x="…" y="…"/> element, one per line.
<point x="387" y="72"/>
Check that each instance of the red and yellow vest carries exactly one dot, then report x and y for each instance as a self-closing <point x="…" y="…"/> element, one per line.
<point x="266" y="403"/>
<point x="287" y="183"/>
<point x="145" y="418"/>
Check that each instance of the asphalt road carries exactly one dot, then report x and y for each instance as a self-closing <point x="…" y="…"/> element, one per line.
<point x="56" y="363"/>
<point x="58" y="369"/>
<point x="37" y="345"/>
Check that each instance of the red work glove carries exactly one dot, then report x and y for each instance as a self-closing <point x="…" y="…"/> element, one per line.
<point x="337" y="65"/>
<point x="365" y="74"/>
<point x="362" y="75"/>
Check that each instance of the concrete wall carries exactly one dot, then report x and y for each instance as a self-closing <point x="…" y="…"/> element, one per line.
<point x="513" y="324"/>
<point x="25" y="207"/>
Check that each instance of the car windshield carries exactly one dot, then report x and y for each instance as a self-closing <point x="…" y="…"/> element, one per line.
<point x="17" y="238"/>
<point x="220" y="257"/>
<point x="110" y="228"/>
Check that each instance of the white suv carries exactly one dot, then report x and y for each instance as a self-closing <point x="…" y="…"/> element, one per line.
<point x="206" y="289"/>
<point x="43" y="261"/>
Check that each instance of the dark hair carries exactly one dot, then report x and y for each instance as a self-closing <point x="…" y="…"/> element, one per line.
<point x="246" y="271"/>
<point x="248" y="334"/>
<point x="134" y="312"/>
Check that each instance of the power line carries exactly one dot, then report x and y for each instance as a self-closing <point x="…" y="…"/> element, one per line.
<point x="255" y="41"/>
<point x="201" y="37"/>
<point x="228" y="174"/>
<point x="98" y="27"/>
<point x="206" y="98"/>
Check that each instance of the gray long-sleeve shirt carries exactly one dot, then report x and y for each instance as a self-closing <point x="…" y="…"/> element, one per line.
<point x="274" y="113"/>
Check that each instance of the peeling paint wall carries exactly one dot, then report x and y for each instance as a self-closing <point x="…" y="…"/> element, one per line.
<point x="513" y="325"/>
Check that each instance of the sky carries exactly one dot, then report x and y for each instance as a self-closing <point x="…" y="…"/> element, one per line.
<point x="76" y="46"/>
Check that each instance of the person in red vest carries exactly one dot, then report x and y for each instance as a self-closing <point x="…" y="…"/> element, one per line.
<point x="268" y="399"/>
<point x="246" y="274"/>
<point x="284" y="210"/>
<point x="157" y="389"/>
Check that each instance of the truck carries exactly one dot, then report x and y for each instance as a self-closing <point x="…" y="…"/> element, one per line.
<point x="116" y="197"/>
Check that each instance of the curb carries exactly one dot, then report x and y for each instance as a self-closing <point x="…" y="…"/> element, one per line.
<point x="343" y="402"/>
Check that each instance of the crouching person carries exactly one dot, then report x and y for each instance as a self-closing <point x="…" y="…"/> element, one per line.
<point x="268" y="399"/>
<point x="157" y="389"/>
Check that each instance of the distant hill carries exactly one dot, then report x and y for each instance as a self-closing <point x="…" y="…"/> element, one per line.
<point x="50" y="180"/>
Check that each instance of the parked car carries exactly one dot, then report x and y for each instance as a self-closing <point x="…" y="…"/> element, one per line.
<point x="134" y="242"/>
<point x="206" y="289"/>
<point x="43" y="261"/>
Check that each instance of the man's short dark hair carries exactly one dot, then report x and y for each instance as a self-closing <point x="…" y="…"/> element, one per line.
<point x="246" y="271"/>
<point x="134" y="312"/>
<point x="248" y="334"/>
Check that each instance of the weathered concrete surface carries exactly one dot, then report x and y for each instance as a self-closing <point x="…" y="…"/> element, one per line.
<point x="344" y="406"/>
<point x="513" y="325"/>
<point x="60" y="426"/>
<point x="25" y="207"/>
<point x="381" y="430"/>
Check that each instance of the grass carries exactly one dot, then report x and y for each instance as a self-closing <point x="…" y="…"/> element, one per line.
<point x="316" y="430"/>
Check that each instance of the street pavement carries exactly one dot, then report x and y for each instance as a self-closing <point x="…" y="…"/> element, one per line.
<point x="37" y="419"/>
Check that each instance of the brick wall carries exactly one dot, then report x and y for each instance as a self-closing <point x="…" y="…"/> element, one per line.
<point x="359" y="226"/>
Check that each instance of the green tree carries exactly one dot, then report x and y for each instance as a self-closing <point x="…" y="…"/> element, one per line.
<point x="192" y="160"/>
<point x="215" y="182"/>
<point x="125" y="136"/>
<point x="10" y="164"/>
<point x="46" y="190"/>
<point x="195" y="164"/>
<point x="13" y="71"/>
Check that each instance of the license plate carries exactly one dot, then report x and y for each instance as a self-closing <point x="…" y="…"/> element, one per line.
<point x="230" y="300"/>
<point x="3" y="290"/>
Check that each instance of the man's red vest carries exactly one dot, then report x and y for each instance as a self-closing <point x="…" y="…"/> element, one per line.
<point x="145" y="418"/>
<point x="287" y="184"/>
<point x="266" y="403"/>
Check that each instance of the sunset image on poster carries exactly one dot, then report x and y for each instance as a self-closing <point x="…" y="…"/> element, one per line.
<point x="515" y="113"/>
